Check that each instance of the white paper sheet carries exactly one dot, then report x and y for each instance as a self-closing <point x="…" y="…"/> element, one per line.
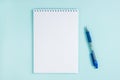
<point x="55" y="40"/>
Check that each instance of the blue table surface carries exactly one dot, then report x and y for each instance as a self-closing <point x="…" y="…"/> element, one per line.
<point x="102" y="18"/>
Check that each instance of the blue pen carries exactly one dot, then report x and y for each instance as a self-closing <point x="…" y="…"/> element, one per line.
<point x="92" y="54"/>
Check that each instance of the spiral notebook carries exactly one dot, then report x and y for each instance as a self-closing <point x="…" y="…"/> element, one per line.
<point x="55" y="40"/>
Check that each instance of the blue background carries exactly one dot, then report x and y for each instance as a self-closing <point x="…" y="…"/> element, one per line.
<point x="102" y="17"/>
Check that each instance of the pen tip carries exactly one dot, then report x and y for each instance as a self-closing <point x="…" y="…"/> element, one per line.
<point x="85" y="28"/>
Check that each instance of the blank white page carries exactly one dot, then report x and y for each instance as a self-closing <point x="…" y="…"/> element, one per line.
<point x="55" y="40"/>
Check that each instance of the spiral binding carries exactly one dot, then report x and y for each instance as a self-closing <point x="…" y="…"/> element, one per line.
<point x="56" y="10"/>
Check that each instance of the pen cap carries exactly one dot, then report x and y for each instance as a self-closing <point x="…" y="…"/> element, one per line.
<point x="94" y="61"/>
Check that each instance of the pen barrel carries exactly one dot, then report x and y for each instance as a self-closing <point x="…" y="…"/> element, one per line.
<point x="93" y="58"/>
<point x="88" y="36"/>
